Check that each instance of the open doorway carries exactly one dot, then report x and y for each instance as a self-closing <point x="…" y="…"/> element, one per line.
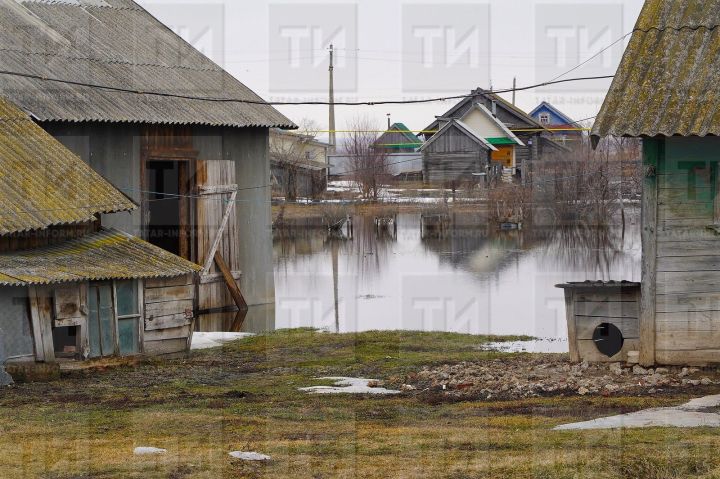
<point x="168" y="224"/>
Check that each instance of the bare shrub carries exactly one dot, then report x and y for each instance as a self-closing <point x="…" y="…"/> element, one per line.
<point x="292" y="152"/>
<point x="368" y="163"/>
<point x="587" y="186"/>
<point x="334" y="215"/>
<point x="510" y="203"/>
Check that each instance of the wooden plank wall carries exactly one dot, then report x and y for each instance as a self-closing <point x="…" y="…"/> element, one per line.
<point x="211" y="208"/>
<point x="688" y="257"/>
<point x="167" y="322"/>
<point x="453" y="156"/>
<point x="591" y="308"/>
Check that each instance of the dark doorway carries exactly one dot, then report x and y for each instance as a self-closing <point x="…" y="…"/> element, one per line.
<point x="168" y="206"/>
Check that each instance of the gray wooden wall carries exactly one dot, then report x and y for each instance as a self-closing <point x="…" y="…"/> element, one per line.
<point x="687" y="266"/>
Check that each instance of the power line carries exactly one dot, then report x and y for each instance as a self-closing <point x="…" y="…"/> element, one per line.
<point x="284" y="103"/>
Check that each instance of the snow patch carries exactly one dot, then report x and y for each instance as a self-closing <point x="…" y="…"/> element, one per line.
<point x="148" y="451"/>
<point x="215" y="340"/>
<point x="349" y="386"/>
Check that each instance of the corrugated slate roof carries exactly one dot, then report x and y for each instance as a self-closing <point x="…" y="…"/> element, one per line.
<point x="105" y="255"/>
<point x="667" y="83"/>
<point x="44" y="184"/>
<point x="118" y="44"/>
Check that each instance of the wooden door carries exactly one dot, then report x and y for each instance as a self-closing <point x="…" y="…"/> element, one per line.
<point x="102" y="326"/>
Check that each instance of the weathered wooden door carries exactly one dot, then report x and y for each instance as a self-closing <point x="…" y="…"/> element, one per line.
<point x="101" y="321"/>
<point x="217" y="190"/>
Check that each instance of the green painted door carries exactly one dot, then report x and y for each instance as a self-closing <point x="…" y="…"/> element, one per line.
<point x="101" y="321"/>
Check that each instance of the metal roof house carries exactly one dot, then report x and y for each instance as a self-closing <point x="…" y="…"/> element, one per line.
<point x="399" y="139"/>
<point x="530" y="133"/>
<point x="473" y="146"/>
<point x="299" y="164"/>
<point x="71" y="288"/>
<point x="666" y="92"/>
<point x="162" y="123"/>
<point x="561" y="126"/>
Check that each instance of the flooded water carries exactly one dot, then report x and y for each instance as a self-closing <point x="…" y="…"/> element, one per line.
<point x="468" y="279"/>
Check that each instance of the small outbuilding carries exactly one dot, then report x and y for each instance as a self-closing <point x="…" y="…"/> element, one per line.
<point x="162" y="123"/>
<point x="457" y="154"/>
<point x="666" y="92"/>
<point x="70" y="288"/>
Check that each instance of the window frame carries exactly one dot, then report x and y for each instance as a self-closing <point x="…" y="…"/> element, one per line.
<point x="139" y="289"/>
<point x="544" y="118"/>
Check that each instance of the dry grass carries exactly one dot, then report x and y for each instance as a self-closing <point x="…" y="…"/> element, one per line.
<point x="244" y="397"/>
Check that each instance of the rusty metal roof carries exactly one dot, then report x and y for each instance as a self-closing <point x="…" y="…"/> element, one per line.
<point x="108" y="254"/>
<point x="667" y="83"/>
<point x="44" y="184"/>
<point x="117" y="44"/>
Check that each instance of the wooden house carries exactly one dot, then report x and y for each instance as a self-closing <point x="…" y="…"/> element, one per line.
<point x="70" y="288"/>
<point x="666" y="93"/>
<point x="299" y="164"/>
<point x="533" y="137"/>
<point x="399" y="139"/>
<point x="162" y="123"/>
<point x="563" y="129"/>
<point x="457" y="154"/>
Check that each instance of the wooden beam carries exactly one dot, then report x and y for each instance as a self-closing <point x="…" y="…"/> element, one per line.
<point x="217" y="190"/>
<point x="653" y="153"/>
<point x="572" y="326"/>
<point x="218" y="236"/>
<point x="35" y="319"/>
<point x="230" y="282"/>
<point x="41" y="314"/>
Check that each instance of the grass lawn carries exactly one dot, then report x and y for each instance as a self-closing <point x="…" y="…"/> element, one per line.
<point x="244" y="397"/>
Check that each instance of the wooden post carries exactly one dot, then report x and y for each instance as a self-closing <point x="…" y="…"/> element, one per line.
<point x="41" y="315"/>
<point x="572" y="326"/>
<point x="653" y="157"/>
<point x="230" y="282"/>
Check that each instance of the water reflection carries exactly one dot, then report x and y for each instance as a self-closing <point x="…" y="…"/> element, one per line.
<point x="470" y="278"/>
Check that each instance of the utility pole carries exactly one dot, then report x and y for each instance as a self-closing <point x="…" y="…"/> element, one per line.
<point x="333" y="135"/>
<point x="514" y="88"/>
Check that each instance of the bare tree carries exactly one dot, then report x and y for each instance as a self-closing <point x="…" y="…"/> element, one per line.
<point x="291" y="152"/>
<point x="368" y="162"/>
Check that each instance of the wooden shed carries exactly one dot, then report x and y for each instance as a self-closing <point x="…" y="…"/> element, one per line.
<point x="71" y="289"/>
<point x="163" y="124"/>
<point x="666" y="93"/>
<point x="456" y="154"/>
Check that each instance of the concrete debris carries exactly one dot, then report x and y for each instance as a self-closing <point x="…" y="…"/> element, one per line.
<point x="350" y="386"/>
<point x="550" y="375"/>
<point x="249" y="456"/>
<point x="697" y="413"/>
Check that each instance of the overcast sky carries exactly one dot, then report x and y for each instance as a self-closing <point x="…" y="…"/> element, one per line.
<point x="402" y="49"/>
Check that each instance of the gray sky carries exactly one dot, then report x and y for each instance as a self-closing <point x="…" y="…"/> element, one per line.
<point x="403" y="49"/>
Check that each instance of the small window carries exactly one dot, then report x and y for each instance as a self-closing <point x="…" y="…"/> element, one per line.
<point x="545" y="118"/>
